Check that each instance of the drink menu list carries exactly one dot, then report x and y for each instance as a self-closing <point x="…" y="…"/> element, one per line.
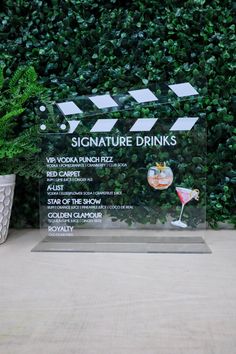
<point x="73" y="197"/>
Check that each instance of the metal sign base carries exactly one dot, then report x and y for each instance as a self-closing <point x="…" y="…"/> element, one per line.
<point x="124" y="244"/>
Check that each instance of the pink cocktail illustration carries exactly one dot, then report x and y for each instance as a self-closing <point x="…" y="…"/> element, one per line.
<point x="185" y="195"/>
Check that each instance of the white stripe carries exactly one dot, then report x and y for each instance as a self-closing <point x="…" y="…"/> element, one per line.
<point x="103" y="125"/>
<point x="185" y="123"/>
<point x="68" y="108"/>
<point x="143" y="95"/>
<point x="143" y="124"/>
<point x="73" y="125"/>
<point x="184" y="89"/>
<point x="103" y="101"/>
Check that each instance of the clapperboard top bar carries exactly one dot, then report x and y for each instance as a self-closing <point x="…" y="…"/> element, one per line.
<point x="76" y="108"/>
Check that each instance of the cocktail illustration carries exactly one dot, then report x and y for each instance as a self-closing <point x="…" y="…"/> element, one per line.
<point x="185" y="195"/>
<point x="160" y="176"/>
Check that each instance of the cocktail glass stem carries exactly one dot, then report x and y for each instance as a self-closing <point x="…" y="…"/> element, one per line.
<point x="181" y="213"/>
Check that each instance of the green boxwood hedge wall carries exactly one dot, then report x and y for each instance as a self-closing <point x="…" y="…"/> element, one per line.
<point x="98" y="46"/>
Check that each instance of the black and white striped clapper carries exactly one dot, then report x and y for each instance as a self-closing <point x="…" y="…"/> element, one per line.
<point x="74" y="110"/>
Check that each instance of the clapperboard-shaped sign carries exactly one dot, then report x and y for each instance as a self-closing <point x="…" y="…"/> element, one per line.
<point x="124" y="160"/>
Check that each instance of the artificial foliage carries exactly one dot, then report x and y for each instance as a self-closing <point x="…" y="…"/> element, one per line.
<point x="84" y="46"/>
<point x="17" y="146"/>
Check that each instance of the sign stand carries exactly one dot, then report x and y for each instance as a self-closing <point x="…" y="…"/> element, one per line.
<point x="124" y="173"/>
<point x="125" y="244"/>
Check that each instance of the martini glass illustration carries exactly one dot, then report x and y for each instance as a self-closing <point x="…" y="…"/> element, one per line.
<point x="185" y="195"/>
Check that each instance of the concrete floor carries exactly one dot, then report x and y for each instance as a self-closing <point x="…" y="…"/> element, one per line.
<point x="80" y="303"/>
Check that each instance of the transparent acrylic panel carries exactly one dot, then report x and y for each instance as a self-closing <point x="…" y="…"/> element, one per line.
<point x="135" y="173"/>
